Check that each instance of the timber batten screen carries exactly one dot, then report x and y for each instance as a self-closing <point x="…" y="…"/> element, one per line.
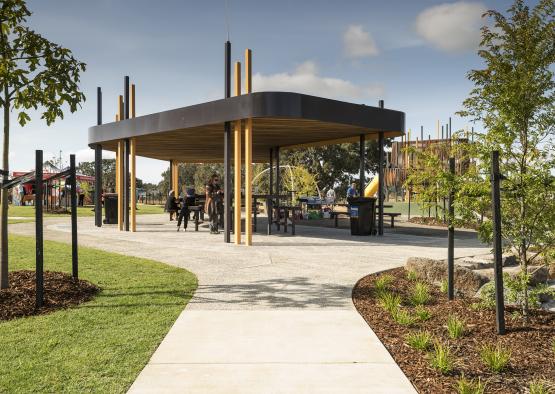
<point x="194" y="133"/>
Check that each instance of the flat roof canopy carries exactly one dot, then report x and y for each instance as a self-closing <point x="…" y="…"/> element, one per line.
<point x="195" y="134"/>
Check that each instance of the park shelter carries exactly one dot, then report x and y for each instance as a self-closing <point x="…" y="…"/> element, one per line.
<point x="262" y="122"/>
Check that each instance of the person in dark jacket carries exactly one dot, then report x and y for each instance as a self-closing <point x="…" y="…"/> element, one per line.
<point x="184" y="212"/>
<point x="171" y="205"/>
<point x="212" y="206"/>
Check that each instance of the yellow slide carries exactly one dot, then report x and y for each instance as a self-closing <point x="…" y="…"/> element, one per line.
<point x="372" y="188"/>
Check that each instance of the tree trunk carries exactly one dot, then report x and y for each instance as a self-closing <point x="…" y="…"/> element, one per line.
<point x="4" y="197"/>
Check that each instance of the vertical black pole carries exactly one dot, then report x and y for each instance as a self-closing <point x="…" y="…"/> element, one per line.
<point x="74" y="250"/>
<point x="39" y="262"/>
<point x="381" y="180"/>
<point x="98" y="165"/>
<point x="126" y="180"/>
<point x="278" y="185"/>
<point x="227" y="147"/>
<point x="270" y="200"/>
<point x="451" y="237"/>
<point x="361" y="181"/>
<point x="498" y="268"/>
<point x="126" y="184"/>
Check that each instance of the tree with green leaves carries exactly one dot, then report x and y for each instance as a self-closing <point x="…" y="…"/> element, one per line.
<point x="108" y="172"/>
<point x="35" y="74"/>
<point x="514" y="99"/>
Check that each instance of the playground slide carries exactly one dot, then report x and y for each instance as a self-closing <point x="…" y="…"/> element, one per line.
<point x="372" y="188"/>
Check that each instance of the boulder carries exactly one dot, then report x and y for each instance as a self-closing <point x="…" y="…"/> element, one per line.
<point x="551" y="269"/>
<point x="467" y="281"/>
<point x="539" y="274"/>
<point x="485" y="261"/>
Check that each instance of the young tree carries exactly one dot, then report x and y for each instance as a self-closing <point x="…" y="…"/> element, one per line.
<point x="514" y="98"/>
<point x="34" y="74"/>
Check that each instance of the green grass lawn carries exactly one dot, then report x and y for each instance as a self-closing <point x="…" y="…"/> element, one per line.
<point x="29" y="211"/>
<point x="102" y="345"/>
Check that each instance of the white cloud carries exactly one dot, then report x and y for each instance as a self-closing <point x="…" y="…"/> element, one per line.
<point x="359" y="43"/>
<point x="452" y="27"/>
<point x="305" y="79"/>
<point x="87" y="154"/>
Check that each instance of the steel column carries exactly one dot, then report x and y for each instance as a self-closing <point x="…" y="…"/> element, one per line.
<point x="381" y="180"/>
<point x="227" y="147"/>
<point x="270" y="200"/>
<point x="237" y="162"/>
<point x="497" y="243"/>
<point x="248" y="153"/>
<point x="39" y="244"/>
<point x="361" y="165"/>
<point x="98" y="165"/>
<point x="278" y="186"/>
<point x="74" y="247"/>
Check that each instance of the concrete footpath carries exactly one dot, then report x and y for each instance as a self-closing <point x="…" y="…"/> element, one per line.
<point x="274" y="318"/>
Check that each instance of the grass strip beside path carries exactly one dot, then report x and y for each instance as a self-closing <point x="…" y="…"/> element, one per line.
<point x="102" y="345"/>
<point x="29" y="211"/>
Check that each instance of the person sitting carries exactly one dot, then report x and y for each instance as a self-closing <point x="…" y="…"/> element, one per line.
<point x="171" y="204"/>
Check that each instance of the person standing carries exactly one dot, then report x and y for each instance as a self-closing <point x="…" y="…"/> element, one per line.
<point x="183" y="214"/>
<point x="213" y="201"/>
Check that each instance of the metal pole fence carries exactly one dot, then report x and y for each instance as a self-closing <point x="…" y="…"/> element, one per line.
<point x="74" y="248"/>
<point x="39" y="244"/>
<point x="451" y="237"/>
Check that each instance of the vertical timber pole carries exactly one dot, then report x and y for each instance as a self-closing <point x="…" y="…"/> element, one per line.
<point x="170" y="177"/>
<point x="227" y="147"/>
<point x="381" y="179"/>
<point x="361" y="165"/>
<point x="270" y="200"/>
<point x="74" y="246"/>
<point x="497" y="252"/>
<point x="126" y="183"/>
<point x="237" y="163"/>
<point x="133" y="170"/>
<point x="248" y="153"/>
<point x="98" y="165"/>
<point x="451" y="236"/>
<point x="39" y="255"/>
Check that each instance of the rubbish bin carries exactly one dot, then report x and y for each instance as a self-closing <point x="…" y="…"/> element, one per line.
<point x="110" y="208"/>
<point x="362" y="215"/>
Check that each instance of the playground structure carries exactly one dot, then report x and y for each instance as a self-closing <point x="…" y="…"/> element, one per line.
<point x="56" y="190"/>
<point x="403" y="158"/>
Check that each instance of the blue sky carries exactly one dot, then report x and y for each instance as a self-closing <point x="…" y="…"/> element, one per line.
<point x="412" y="54"/>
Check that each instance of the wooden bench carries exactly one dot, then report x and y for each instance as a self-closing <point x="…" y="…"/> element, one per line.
<point x="392" y="215"/>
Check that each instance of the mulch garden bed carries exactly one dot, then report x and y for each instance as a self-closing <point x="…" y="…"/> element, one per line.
<point x="60" y="291"/>
<point x="531" y="344"/>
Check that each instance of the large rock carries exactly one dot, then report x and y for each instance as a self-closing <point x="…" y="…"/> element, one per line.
<point x="538" y="274"/>
<point x="467" y="281"/>
<point x="485" y="261"/>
